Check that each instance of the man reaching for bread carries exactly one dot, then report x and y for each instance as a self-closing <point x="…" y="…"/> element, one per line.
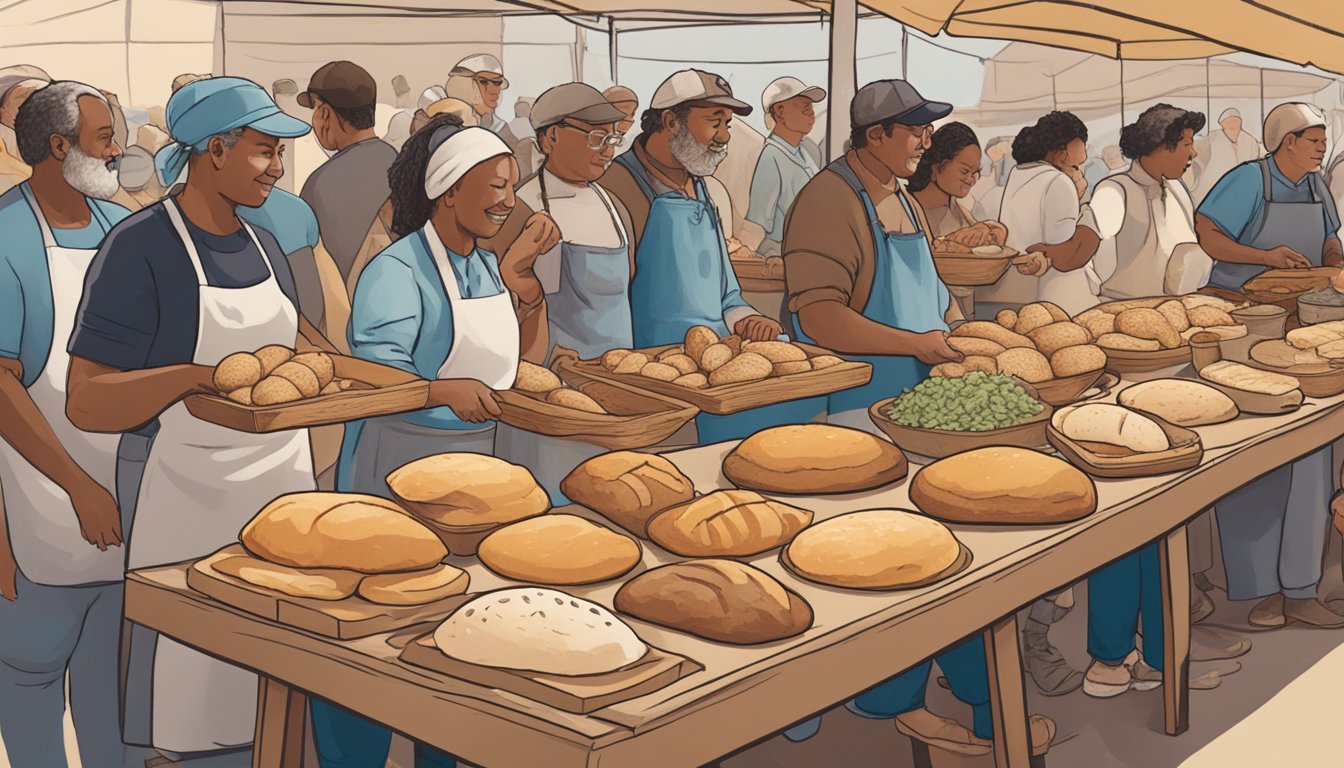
<point x="862" y="281"/>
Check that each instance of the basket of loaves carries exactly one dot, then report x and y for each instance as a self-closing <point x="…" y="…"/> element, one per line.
<point x="973" y="256"/>
<point x="1145" y="335"/>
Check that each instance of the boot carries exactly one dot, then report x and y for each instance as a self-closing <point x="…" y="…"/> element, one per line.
<point x="1048" y="668"/>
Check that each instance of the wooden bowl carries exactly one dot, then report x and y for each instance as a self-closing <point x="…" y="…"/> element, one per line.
<point x="1132" y="361"/>
<point x="1066" y="389"/>
<point x="970" y="270"/>
<point x="938" y="443"/>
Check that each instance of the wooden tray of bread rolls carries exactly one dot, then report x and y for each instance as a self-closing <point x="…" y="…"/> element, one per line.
<point x="579" y="694"/>
<point x="735" y="398"/>
<point x="379" y="390"/>
<point x="635" y="418"/>
<point x="347" y="619"/>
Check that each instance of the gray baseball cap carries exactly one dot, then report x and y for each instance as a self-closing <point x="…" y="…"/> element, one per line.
<point x="577" y="100"/>
<point x="894" y="100"/>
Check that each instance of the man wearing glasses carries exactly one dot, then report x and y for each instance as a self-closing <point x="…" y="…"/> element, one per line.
<point x="487" y="86"/>
<point x="576" y="296"/>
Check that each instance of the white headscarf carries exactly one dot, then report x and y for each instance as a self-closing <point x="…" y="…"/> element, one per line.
<point x="463" y="150"/>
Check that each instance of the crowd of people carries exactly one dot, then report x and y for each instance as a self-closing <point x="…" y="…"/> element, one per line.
<point x="459" y="243"/>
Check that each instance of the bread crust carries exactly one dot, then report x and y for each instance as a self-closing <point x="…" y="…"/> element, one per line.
<point x="721" y="600"/>
<point x="809" y="459"/>
<point x="729" y="523"/>
<point x="628" y="487"/>
<point x="1002" y="485"/>
<point x="559" y="550"/>
<point x="874" y="549"/>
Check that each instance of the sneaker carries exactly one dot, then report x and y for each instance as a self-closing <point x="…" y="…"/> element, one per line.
<point x="1205" y="678"/>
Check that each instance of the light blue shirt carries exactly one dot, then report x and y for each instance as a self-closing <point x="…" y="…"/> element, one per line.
<point x="1238" y="199"/>
<point x="781" y="173"/>
<point x="27" y="314"/>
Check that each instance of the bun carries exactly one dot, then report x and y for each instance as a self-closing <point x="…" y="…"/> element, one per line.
<point x="415" y="587"/>
<point x="572" y="398"/>
<point x="776" y="351"/>
<point x="314" y="583"/>
<point x="1143" y="323"/>
<point x="301" y="376"/>
<point x="808" y="459"/>
<point x="274" y="390"/>
<point x="715" y="356"/>
<point x="1129" y="343"/>
<point x="1027" y="364"/>
<point x="540" y="630"/>
<point x="1071" y="361"/>
<point x="980" y="329"/>
<point x="747" y="366"/>
<point x="698" y="339"/>
<point x="534" y="378"/>
<point x="970" y="345"/>
<point x="558" y="549"/>
<point x="822" y="362"/>
<point x="1175" y="314"/>
<point x="1031" y="317"/>
<point x="468" y="489"/>
<point x="241" y="369"/>
<point x="692" y="381"/>
<point x="799" y="366"/>
<point x="320" y="363"/>
<point x="1051" y="338"/>
<point x="728" y="523"/>
<point x="271" y="356"/>
<point x="720" y="600"/>
<point x="631" y="363"/>
<point x="874" y="549"/>
<point x="1003" y="485"/>
<point x="659" y="372"/>
<point x="612" y="358"/>
<point x="684" y="364"/>
<point x="242" y="395"/>
<point x="627" y="487"/>
<point x="1006" y="318"/>
<point x="341" y="530"/>
<point x="1180" y="401"/>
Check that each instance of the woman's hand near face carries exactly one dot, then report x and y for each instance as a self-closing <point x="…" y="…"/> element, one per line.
<point x="469" y="399"/>
<point x="539" y="235"/>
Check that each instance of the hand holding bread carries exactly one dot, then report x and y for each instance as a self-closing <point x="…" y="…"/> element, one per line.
<point x="705" y="359"/>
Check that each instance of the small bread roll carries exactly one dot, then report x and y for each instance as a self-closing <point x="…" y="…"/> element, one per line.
<point x="1051" y="338"/>
<point x="670" y="352"/>
<point x="631" y="363"/>
<point x="274" y="390"/>
<point x="659" y="371"/>
<point x="698" y="339"/>
<point x="776" y="351"/>
<point x="1071" y="361"/>
<point x="969" y="345"/>
<point x="1210" y="317"/>
<point x="1096" y="322"/>
<point x="1193" y="300"/>
<point x="948" y="370"/>
<point x="242" y="395"/>
<point x="241" y="369"/>
<point x="979" y="329"/>
<point x="271" y="356"/>
<point x="534" y="378"/>
<point x="714" y="356"/>
<point x="337" y="385"/>
<point x="683" y="363"/>
<point x="1031" y="317"/>
<point x="1026" y="364"/>
<point x="980" y="363"/>
<point x="692" y="381"/>
<point x="1144" y="323"/>
<point x="822" y="362"/>
<point x="301" y="376"/>
<point x="747" y="366"/>
<point x="1006" y="318"/>
<point x="1057" y="313"/>
<point x="792" y="366"/>
<point x="414" y="587"/>
<point x="1127" y="343"/>
<point x="1174" y="312"/>
<point x="612" y="357"/>
<point x="320" y="363"/>
<point x="734" y="343"/>
<point x="572" y="398"/>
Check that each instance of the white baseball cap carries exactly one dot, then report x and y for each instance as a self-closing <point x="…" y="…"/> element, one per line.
<point x="1289" y="118"/>
<point x="481" y="62"/>
<point x="786" y="88"/>
<point x="693" y="85"/>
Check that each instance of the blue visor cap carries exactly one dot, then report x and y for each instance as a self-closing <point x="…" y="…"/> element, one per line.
<point x="218" y="105"/>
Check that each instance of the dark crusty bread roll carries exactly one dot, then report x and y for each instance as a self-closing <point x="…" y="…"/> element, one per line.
<point x="627" y="487"/>
<point x="730" y="523"/>
<point x="720" y="600"/>
<point x="811" y="459"/>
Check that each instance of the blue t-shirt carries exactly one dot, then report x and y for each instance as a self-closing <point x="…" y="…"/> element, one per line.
<point x="27" y="315"/>
<point x="141" y="298"/>
<point x="1238" y="198"/>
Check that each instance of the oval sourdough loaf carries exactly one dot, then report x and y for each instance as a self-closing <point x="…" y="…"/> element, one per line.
<point x="558" y="549"/>
<point x="627" y="487"/>
<point x="468" y="489"/>
<point x="720" y="600"/>
<point x="1003" y="485"/>
<point x="813" y="459"/>
<point x="1181" y="402"/>
<point x="341" y="530"/>
<point x="540" y="630"/>
<point x="728" y="523"/>
<point x="874" y="549"/>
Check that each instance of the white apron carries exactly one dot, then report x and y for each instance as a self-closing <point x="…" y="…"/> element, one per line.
<point x="43" y="529"/>
<point x="202" y="483"/>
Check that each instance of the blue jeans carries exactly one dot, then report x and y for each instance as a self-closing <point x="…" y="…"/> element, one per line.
<point x="1118" y="597"/>
<point x="967" y="674"/>
<point x="346" y="740"/>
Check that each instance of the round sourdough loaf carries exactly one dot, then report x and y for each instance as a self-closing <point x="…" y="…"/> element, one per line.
<point x="874" y="549"/>
<point x="720" y="600"/>
<point x="627" y="487"/>
<point x="1003" y="485"/>
<point x="558" y="549"/>
<point x="539" y="630"/>
<point x="730" y="523"/>
<point x="468" y="489"/>
<point x="811" y="459"/>
<point x="341" y="530"/>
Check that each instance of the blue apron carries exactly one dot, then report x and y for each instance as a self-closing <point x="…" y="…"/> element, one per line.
<point x="907" y="294"/>
<point x="1297" y="225"/>
<point x="682" y="273"/>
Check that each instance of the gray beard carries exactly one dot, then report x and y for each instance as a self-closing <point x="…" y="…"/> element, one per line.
<point x="697" y="159"/>
<point x="89" y="175"/>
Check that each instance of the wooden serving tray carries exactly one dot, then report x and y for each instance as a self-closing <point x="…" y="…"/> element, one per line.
<point x="1285" y="286"/>
<point x="635" y="418"/>
<point x="962" y="562"/>
<point x="735" y="398"/>
<point x="753" y="274"/>
<point x="347" y="619"/>
<point x="386" y="391"/>
<point x="1106" y="460"/>
<point x="937" y="444"/>
<point x="1316" y="379"/>
<point x="581" y="695"/>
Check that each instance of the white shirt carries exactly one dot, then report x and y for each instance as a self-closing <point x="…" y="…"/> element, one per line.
<point x="1222" y="155"/>
<point x="583" y="218"/>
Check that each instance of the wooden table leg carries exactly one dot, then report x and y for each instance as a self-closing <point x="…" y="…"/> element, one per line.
<point x="919" y="752"/>
<point x="1007" y="695"/>
<point x="1174" y="559"/>
<point x="281" y="712"/>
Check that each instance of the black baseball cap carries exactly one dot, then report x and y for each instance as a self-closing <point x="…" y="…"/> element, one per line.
<point x="897" y="100"/>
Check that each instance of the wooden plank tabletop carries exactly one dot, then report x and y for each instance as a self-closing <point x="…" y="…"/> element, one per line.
<point x="743" y="694"/>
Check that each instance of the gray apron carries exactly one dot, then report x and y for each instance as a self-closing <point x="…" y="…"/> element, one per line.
<point x="1300" y="226"/>
<point x="1273" y="530"/>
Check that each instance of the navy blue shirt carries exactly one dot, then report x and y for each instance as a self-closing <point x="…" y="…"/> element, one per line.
<point x="141" y="299"/>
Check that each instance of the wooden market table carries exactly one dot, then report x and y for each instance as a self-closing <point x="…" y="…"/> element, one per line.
<point x="746" y="694"/>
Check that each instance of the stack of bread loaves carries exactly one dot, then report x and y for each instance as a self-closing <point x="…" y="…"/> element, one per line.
<point x="462" y="497"/>
<point x="628" y="487"/>
<point x="1036" y="344"/>
<point x="274" y="374"/>
<point x="1150" y="325"/>
<point x="535" y="380"/>
<point x="706" y="360"/>
<point x="330" y="546"/>
<point x="810" y="459"/>
<point x="720" y="600"/>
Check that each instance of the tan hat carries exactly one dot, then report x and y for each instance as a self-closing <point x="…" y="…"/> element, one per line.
<point x="20" y="73"/>
<point x="1289" y="118"/>
<point x="182" y="80"/>
<point x="786" y="88"/>
<point x="693" y="85"/>
<point x="577" y="100"/>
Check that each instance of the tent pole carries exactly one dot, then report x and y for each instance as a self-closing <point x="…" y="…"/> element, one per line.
<point x="1122" y="94"/>
<point x="612" y="54"/>
<point x="842" y="80"/>
<point x="580" y="45"/>
<point x="1262" y="98"/>
<point x="905" y="53"/>
<point x="1208" y="96"/>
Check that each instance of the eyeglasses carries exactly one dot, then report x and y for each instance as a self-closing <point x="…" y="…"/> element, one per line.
<point x="598" y="139"/>
<point x="924" y="132"/>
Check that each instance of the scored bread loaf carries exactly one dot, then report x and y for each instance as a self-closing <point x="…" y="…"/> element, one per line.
<point x="414" y="587"/>
<point x="558" y="549"/>
<point x="720" y="600"/>
<point x="627" y="487"/>
<point x="873" y="549"/>
<point x="539" y="630"/>
<point x="341" y="530"/>
<point x="810" y="459"/>
<point x="1003" y="485"/>
<point x="1112" y="425"/>
<point x="731" y="523"/>
<point x="468" y="489"/>
<point x="315" y="583"/>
